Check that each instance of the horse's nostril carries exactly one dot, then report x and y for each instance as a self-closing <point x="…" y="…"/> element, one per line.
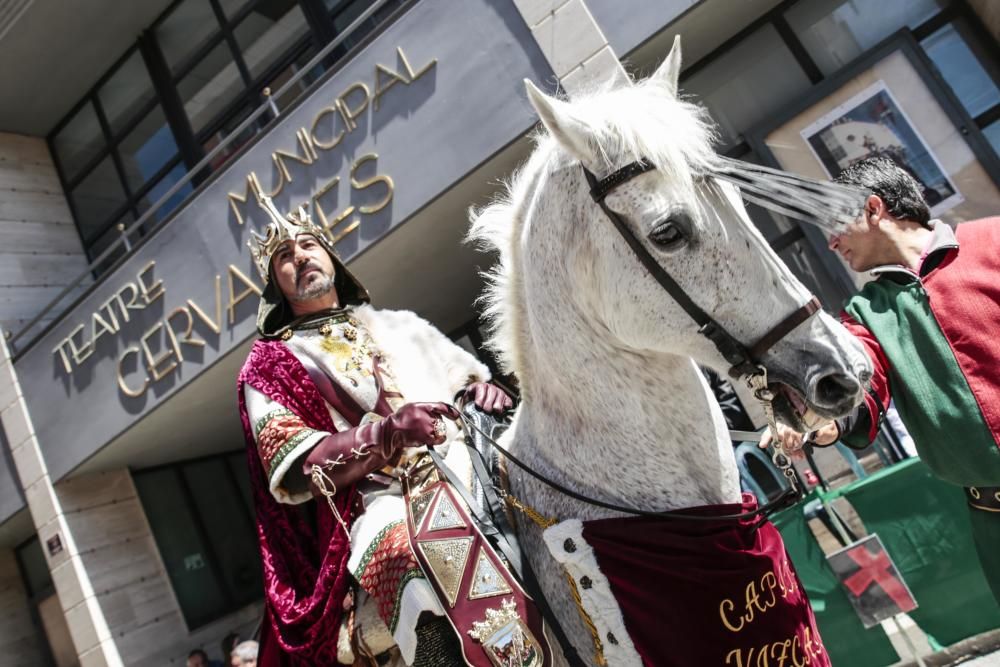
<point x="835" y="388"/>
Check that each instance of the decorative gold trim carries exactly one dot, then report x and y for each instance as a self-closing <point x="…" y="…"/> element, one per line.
<point x="444" y="516"/>
<point x="974" y="492"/>
<point x="419" y="505"/>
<point x="487" y="582"/>
<point x="446" y="559"/>
<point x="983" y="508"/>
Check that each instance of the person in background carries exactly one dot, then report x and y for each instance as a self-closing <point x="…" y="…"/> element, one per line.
<point x="198" y="658"/>
<point x="229" y="642"/>
<point x="245" y="653"/>
<point x="929" y="322"/>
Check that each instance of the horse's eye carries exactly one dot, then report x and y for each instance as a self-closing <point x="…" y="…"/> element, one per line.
<point x="671" y="234"/>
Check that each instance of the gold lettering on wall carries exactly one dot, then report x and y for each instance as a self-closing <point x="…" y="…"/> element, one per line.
<point x="249" y="288"/>
<point x="159" y="351"/>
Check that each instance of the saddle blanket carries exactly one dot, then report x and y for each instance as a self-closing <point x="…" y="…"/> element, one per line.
<point x="686" y="593"/>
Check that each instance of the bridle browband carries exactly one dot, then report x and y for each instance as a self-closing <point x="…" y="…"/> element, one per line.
<point x="744" y="362"/>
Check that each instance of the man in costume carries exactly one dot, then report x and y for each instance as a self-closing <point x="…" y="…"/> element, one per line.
<point x="335" y="397"/>
<point x="929" y="322"/>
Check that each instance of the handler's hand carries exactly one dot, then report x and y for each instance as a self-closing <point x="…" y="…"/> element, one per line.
<point x="791" y="441"/>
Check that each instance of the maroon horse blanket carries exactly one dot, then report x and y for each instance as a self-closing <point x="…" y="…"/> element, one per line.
<point x="707" y="593"/>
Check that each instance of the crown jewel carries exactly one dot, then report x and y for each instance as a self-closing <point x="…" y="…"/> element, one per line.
<point x="281" y="228"/>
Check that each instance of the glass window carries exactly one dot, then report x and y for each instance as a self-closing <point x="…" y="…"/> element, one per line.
<point x="232" y="7"/>
<point x="228" y="525"/>
<point x="147" y="149"/>
<point x="188" y="28"/>
<point x="238" y="464"/>
<point x="344" y="13"/>
<point x="79" y="141"/>
<point x="300" y="86"/>
<point x="212" y="84"/>
<point x="186" y="556"/>
<point x="963" y="71"/>
<point x="126" y="93"/>
<point x="34" y="569"/>
<point x="98" y="196"/>
<point x="108" y="238"/>
<point x="161" y="187"/>
<point x="268" y="32"/>
<point x="740" y="88"/>
<point x="228" y="126"/>
<point x="992" y="132"/>
<point x="835" y="32"/>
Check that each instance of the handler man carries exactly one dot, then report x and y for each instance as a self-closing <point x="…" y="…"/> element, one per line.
<point x="322" y="402"/>
<point x="930" y="322"/>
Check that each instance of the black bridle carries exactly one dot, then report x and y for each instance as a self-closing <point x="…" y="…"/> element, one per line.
<point x="744" y="362"/>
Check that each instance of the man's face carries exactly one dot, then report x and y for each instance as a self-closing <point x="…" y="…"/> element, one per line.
<point x="303" y="269"/>
<point x="197" y="661"/>
<point x="862" y="243"/>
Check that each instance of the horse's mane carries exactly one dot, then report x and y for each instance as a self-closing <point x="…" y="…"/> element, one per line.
<point x="625" y="123"/>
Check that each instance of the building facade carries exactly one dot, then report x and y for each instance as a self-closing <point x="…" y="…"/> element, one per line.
<point x="127" y="293"/>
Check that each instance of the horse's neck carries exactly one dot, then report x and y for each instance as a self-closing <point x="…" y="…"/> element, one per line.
<point x="639" y="430"/>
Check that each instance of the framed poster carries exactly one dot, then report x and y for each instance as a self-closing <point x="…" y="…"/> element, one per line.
<point x="889" y="102"/>
<point x="872" y="123"/>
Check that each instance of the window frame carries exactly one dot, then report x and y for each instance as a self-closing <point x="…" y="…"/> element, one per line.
<point x="213" y="560"/>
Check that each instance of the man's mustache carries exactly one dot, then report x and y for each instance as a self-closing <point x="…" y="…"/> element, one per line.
<point x="308" y="266"/>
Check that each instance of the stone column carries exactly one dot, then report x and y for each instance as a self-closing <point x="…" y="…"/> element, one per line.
<point x="572" y="42"/>
<point x="87" y="625"/>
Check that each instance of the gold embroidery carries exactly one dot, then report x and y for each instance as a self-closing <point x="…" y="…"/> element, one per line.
<point x="446" y="560"/>
<point x="486" y="579"/>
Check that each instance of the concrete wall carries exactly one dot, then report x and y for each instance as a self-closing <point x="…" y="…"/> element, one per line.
<point x="20" y="641"/>
<point x="472" y="89"/>
<point x="114" y="549"/>
<point x="40" y="250"/>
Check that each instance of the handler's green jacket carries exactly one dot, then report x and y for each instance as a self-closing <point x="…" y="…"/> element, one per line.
<point x="934" y="340"/>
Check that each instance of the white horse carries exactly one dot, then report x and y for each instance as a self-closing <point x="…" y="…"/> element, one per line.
<point x="613" y="403"/>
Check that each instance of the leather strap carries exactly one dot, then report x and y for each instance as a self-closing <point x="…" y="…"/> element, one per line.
<point x="786" y="499"/>
<point x="742" y="360"/>
<point x="783" y="328"/>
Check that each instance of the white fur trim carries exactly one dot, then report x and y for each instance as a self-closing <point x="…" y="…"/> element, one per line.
<point x="598" y="600"/>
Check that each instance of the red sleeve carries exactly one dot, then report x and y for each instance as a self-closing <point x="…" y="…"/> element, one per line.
<point x="878" y="395"/>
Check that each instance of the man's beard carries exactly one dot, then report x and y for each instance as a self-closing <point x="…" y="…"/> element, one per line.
<point x="315" y="289"/>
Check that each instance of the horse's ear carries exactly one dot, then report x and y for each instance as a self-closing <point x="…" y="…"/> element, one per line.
<point x="669" y="72"/>
<point x="558" y="118"/>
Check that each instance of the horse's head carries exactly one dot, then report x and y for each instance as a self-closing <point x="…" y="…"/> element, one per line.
<point x="693" y="225"/>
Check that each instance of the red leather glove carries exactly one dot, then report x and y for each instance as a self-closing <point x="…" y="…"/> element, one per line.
<point x="489" y="397"/>
<point x="364" y="449"/>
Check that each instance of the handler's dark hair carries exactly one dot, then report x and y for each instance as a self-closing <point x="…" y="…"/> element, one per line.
<point x="893" y="184"/>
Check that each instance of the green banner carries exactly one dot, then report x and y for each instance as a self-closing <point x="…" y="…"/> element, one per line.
<point x="924" y="524"/>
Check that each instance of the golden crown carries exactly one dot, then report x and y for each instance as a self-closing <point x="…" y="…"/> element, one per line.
<point x="281" y="228"/>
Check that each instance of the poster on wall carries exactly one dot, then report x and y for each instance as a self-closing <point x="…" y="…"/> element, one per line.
<point x="887" y="102"/>
<point x="873" y="124"/>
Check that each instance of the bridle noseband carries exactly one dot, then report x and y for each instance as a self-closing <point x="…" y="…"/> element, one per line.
<point x="744" y="362"/>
